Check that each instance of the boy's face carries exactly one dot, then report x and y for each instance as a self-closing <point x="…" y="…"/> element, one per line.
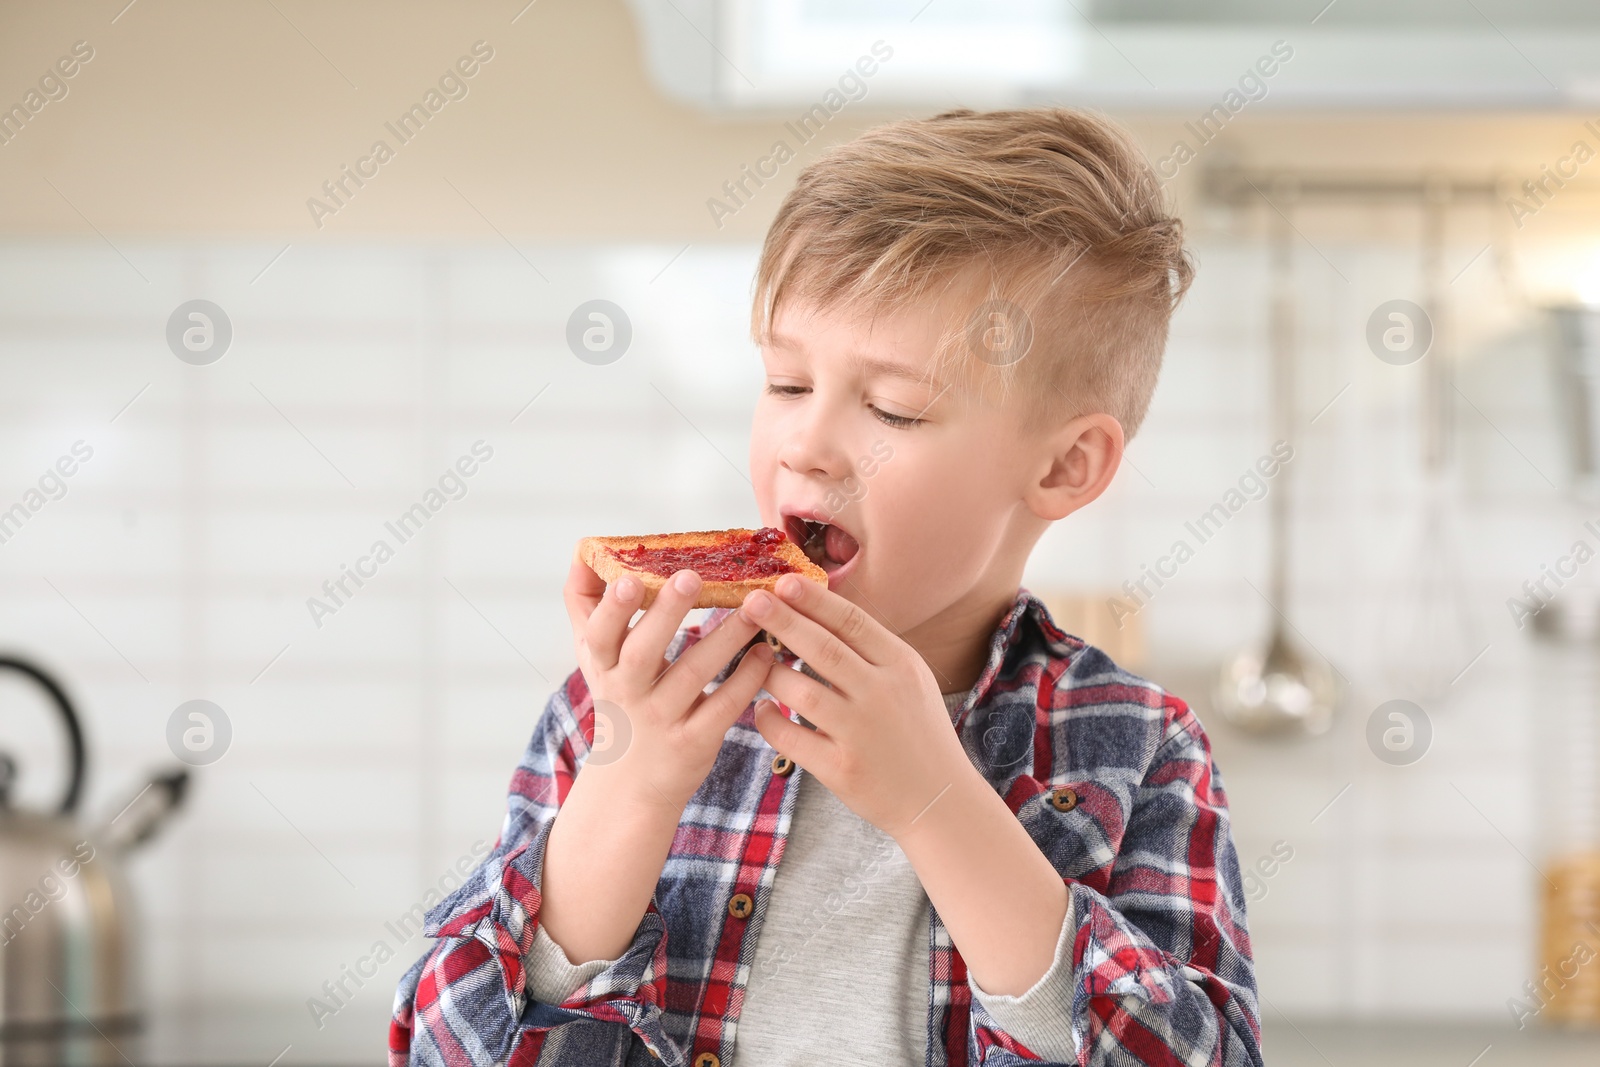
<point x="921" y="516"/>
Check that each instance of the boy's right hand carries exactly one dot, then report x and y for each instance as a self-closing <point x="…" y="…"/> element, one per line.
<point x="670" y="731"/>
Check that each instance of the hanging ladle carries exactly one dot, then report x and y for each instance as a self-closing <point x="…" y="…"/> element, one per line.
<point x="1278" y="689"/>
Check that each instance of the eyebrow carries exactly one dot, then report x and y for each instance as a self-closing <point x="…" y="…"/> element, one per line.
<point x="885" y="368"/>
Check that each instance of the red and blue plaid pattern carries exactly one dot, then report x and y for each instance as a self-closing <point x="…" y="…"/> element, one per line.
<point x="1162" y="970"/>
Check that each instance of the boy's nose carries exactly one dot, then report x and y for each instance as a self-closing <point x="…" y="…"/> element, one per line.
<point x="814" y="449"/>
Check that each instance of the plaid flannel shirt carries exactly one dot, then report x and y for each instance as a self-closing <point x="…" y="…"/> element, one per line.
<point x="1162" y="968"/>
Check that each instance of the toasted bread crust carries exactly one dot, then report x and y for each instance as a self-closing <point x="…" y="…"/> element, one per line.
<point x="598" y="554"/>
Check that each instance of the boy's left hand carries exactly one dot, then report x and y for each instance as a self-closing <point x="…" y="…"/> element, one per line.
<point x="884" y="743"/>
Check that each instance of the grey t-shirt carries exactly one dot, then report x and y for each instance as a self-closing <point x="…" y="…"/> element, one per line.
<point x="841" y="966"/>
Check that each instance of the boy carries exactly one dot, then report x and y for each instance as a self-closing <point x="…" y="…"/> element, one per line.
<point x="983" y="842"/>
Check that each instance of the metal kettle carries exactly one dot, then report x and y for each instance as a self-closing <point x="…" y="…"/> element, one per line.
<point x="67" y="981"/>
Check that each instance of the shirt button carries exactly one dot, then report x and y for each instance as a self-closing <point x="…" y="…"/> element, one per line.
<point x="782" y="766"/>
<point x="1063" y="799"/>
<point x="707" y="1059"/>
<point x="739" y="907"/>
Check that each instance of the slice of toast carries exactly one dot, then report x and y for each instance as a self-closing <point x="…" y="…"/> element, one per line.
<point x="730" y="563"/>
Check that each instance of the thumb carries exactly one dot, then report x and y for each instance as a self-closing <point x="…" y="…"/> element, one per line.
<point x="791" y="739"/>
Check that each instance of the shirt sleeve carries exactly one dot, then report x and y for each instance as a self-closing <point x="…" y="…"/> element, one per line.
<point x="472" y="999"/>
<point x="1158" y="969"/>
<point x="1035" y="1017"/>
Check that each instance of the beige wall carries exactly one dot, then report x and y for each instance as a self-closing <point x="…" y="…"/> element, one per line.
<point x="213" y="118"/>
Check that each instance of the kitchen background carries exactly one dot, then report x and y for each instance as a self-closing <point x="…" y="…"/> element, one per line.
<point x="1403" y="893"/>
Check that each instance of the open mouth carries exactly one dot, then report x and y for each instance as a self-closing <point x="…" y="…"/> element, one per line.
<point x="828" y="546"/>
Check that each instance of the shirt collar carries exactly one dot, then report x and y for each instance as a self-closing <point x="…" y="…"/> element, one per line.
<point x="1025" y="630"/>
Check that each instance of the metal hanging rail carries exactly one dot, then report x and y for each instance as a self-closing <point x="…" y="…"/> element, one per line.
<point x="1241" y="185"/>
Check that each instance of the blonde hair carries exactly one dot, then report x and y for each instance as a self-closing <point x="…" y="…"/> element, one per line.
<point x="1052" y="212"/>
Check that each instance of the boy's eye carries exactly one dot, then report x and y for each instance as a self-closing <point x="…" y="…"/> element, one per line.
<point x="899" y="421"/>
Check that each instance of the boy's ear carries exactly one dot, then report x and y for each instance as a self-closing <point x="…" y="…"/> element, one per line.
<point x="1078" y="462"/>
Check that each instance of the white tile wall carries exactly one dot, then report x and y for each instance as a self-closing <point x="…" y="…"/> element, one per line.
<point x="385" y="738"/>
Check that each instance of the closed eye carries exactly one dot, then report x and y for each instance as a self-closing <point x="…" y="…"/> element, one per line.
<point x="899" y="422"/>
<point x="902" y="422"/>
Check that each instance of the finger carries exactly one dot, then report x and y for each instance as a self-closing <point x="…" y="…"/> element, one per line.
<point x="810" y="640"/>
<point x="582" y="592"/>
<point x="720" y="710"/>
<point x="819" y="704"/>
<point x="646" y="644"/>
<point x="868" y="637"/>
<point x="607" y="624"/>
<point x="691" y="671"/>
<point x="806" y="747"/>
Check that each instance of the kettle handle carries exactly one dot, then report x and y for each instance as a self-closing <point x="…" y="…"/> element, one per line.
<point x="69" y="719"/>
